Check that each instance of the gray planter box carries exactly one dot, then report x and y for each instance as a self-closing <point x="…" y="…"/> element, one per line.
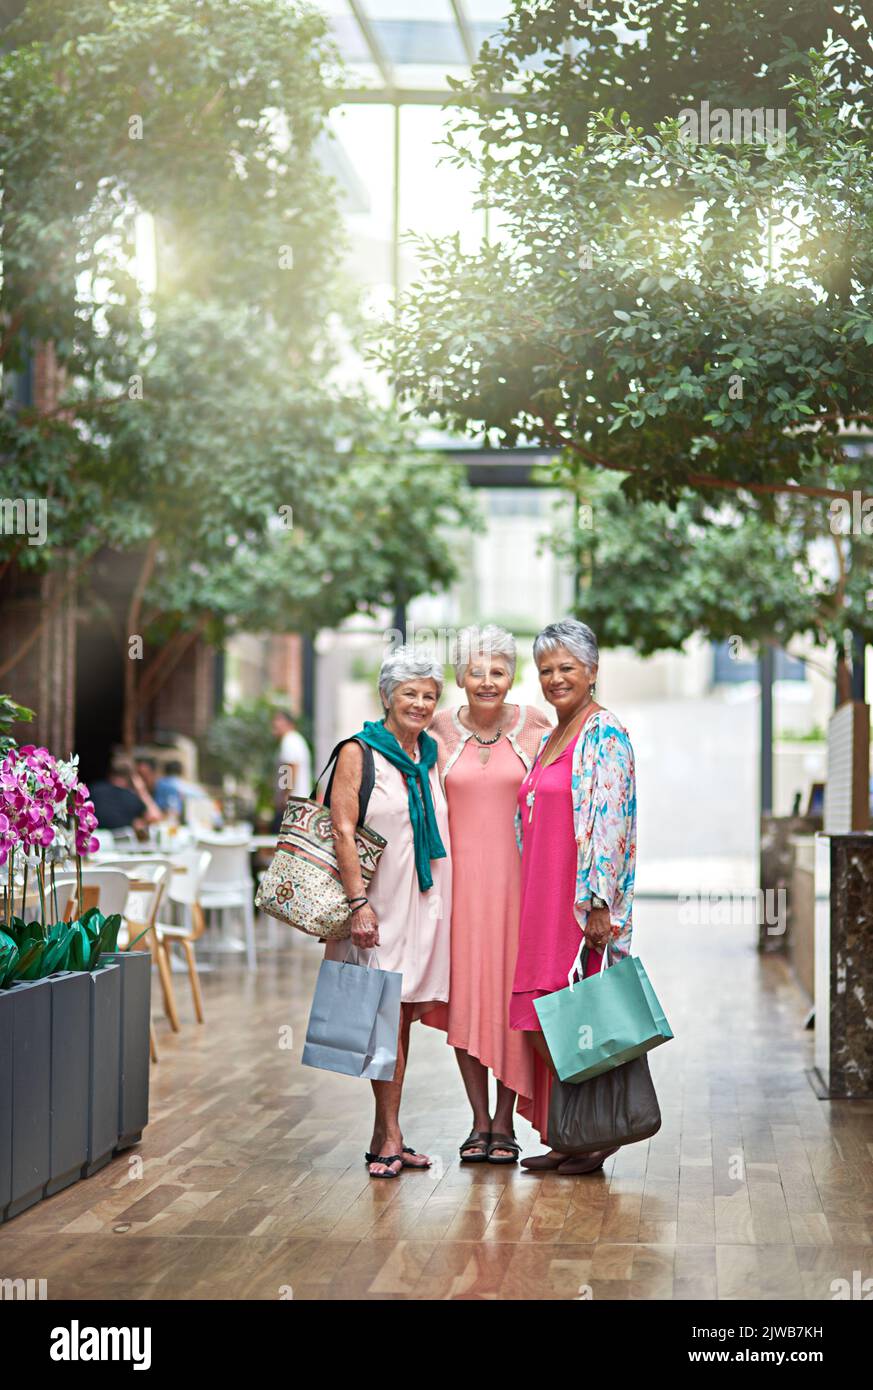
<point x="5" y="1102"/>
<point x="135" y="968"/>
<point x="70" y="1071"/>
<point x="31" y="1093"/>
<point x="105" y="1052"/>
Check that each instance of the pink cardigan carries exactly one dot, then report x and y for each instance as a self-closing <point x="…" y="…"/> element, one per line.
<point x="525" y="736"/>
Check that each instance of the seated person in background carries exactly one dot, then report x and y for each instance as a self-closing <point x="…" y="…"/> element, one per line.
<point x="169" y="790"/>
<point x="122" y="800"/>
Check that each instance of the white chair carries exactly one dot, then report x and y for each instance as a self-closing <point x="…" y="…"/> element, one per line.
<point x="184" y="890"/>
<point x="112" y="886"/>
<point x="228" y="883"/>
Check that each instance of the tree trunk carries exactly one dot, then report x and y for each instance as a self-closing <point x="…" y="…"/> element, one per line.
<point x="134" y="614"/>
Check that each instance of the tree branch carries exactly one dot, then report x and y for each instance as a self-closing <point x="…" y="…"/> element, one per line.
<point x="701" y="480"/>
<point x="168" y="659"/>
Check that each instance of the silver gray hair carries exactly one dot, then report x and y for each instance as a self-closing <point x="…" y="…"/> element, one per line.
<point x="407" y="664"/>
<point x="489" y="640"/>
<point x="570" y="633"/>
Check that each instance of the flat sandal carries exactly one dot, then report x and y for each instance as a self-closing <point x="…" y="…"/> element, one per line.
<point x="387" y="1159"/>
<point x="503" y="1141"/>
<point x="374" y="1158"/>
<point x="476" y="1139"/>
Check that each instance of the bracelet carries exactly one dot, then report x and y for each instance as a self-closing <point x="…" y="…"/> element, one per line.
<point x="355" y="903"/>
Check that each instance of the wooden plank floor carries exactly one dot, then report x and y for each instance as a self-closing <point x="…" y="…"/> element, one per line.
<point x="250" y="1182"/>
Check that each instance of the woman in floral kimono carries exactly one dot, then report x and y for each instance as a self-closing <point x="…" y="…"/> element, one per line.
<point x="576" y="829"/>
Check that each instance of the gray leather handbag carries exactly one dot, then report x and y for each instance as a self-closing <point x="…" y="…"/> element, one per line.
<point x="618" y="1107"/>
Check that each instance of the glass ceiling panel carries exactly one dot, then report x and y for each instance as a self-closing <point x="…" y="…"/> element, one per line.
<point x="419" y="39"/>
<point x="408" y="10"/>
<point x="352" y="44"/>
<point x="492" y="11"/>
<point x="411" y="76"/>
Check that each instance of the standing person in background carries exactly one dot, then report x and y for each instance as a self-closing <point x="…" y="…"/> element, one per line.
<point x="294" y="763"/>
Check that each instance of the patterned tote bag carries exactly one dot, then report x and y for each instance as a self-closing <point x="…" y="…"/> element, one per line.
<point x="302" y="885"/>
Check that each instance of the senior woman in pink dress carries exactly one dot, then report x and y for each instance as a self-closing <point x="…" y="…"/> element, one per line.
<point x="406" y="913"/>
<point x="576" y="821"/>
<point x="485" y="748"/>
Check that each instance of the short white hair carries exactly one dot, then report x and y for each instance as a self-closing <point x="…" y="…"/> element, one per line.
<point x="570" y="633"/>
<point x="407" y="664"/>
<point x="490" y="641"/>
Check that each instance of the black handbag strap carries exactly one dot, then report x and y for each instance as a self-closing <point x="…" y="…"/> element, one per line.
<point x="368" y="777"/>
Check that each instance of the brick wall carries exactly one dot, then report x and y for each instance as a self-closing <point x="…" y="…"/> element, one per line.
<point x="186" y="702"/>
<point x="42" y="608"/>
<point x="285" y="667"/>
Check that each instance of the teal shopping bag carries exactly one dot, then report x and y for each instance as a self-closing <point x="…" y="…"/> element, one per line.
<point x="599" y="1023"/>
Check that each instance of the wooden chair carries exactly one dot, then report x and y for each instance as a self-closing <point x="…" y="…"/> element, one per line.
<point x="148" y="878"/>
<point x="184" y="889"/>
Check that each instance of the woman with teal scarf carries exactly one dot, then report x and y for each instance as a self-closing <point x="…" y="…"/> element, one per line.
<point x="405" y="915"/>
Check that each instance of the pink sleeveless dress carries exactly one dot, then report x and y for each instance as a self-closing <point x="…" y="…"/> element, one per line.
<point x="486" y="884"/>
<point x="548" y="931"/>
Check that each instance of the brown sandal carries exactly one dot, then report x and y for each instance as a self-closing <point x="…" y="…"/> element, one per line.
<point x="503" y="1141"/>
<point x="477" y="1140"/>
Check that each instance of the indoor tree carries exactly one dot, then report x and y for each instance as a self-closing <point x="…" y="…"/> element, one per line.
<point x="694" y="318"/>
<point x="200" y="427"/>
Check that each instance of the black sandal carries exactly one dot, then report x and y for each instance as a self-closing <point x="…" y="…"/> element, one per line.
<point x="476" y="1139"/>
<point x="503" y="1141"/>
<point x="387" y="1159"/>
<point x="374" y="1158"/>
<point x="423" y="1166"/>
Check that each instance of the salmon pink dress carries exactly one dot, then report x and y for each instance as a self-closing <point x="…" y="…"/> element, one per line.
<point x="481" y="789"/>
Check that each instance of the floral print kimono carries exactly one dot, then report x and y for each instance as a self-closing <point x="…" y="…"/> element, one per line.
<point x="603" y="788"/>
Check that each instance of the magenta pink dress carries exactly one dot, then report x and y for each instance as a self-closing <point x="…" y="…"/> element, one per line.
<point x="548" y="934"/>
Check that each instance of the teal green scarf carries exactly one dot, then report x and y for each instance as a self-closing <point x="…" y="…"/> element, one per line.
<point x="425" y="832"/>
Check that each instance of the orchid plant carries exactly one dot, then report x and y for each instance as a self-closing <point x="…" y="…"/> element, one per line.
<point x="46" y="813"/>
